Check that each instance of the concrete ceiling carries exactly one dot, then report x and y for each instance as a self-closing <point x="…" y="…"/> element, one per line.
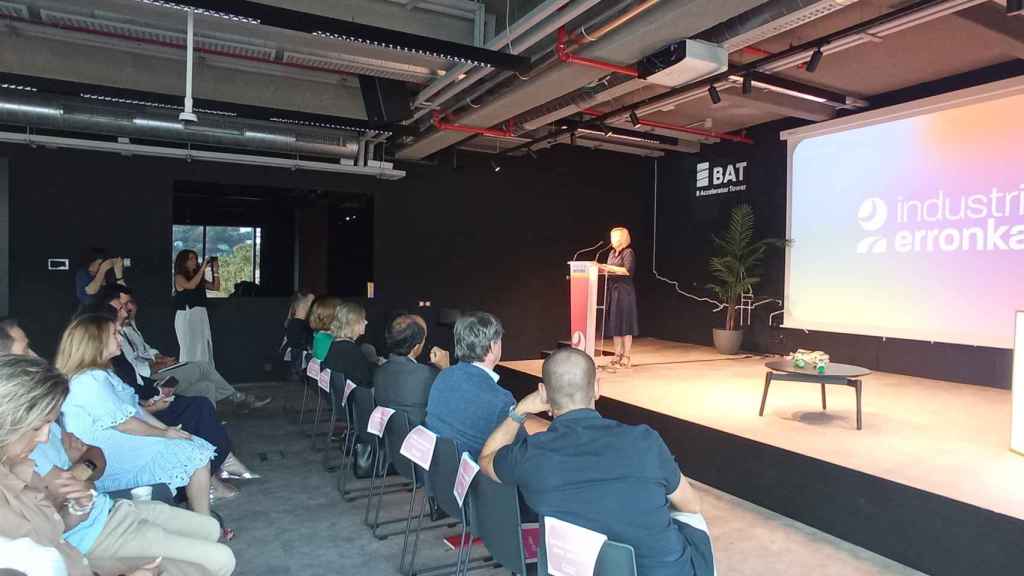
<point x="134" y="45"/>
<point x="968" y="40"/>
<point x="85" y="41"/>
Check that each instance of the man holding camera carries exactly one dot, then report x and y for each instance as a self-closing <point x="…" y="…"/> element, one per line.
<point x="98" y="271"/>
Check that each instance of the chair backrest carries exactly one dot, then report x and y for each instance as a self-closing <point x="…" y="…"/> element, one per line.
<point x="395" y="432"/>
<point x="614" y="559"/>
<point x="494" y="509"/>
<point x="444" y="467"/>
<point x="362" y="403"/>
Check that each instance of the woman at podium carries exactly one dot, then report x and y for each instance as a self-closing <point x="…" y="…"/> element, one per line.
<point x="622" y="323"/>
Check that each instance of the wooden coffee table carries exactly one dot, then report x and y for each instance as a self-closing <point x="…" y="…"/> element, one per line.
<point x="842" y="374"/>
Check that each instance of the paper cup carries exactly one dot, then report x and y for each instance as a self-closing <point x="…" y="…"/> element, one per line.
<point x="142" y="493"/>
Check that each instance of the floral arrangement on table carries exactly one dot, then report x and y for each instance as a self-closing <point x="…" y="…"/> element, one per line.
<point x="817" y="359"/>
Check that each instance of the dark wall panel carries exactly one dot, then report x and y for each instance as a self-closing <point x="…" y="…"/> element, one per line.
<point x="457" y="235"/>
<point x="472" y="238"/>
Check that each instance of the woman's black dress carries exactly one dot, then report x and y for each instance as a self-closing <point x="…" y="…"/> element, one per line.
<point x="622" y="314"/>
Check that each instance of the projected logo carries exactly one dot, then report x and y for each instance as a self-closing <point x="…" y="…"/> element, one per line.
<point x="989" y="222"/>
<point x="872" y="215"/>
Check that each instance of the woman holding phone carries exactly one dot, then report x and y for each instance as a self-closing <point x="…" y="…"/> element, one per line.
<point x="191" y="322"/>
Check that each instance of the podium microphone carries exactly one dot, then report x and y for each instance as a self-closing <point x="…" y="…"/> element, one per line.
<point x="598" y="254"/>
<point x="586" y="250"/>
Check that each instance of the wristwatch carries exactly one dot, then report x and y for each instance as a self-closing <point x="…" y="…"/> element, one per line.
<point x="516" y="416"/>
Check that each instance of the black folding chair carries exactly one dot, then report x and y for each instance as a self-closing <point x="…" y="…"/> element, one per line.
<point x="337" y="392"/>
<point x="444" y="468"/>
<point x="495" y="519"/>
<point x="615" y="558"/>
<point x="358" y="408"/>
<point x="386" y="458"/>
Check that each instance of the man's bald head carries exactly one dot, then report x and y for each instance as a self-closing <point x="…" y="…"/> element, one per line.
<point x="569" y="376"/>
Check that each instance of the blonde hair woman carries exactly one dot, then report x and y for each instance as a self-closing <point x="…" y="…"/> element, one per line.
<point x="346" y="356"/>
<point x="72" y="518"/>
<point x="622" y="323"/>
<point x="321" y="317"/>
<point x="104" y="411"/>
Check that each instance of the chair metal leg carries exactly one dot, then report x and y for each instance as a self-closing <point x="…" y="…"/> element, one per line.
<point x="764" y="396"/>
<point x="408" y="527"/>
<point x="305" y="394"/>
<point x="823" y="406"/>
<point x="373" y="482"/>
<point x="327" y="438"/>
<point x="416" y="540"/>
<point x="316" y="418"/>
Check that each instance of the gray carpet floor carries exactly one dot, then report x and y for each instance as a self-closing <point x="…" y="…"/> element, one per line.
<point x="292" y="521"/>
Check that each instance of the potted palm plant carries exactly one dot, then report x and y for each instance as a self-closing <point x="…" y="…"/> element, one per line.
<point x="735" y="268"/>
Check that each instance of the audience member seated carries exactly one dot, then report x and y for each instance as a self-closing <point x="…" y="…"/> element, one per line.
<point x="193" y="414"/>
<point x="104" y="411"/>
<point x="615" y="479"/>
<point x="92" y="533"/>
<point x="466" y="403"/>
<point x="13" y="339"/>
<point x="194" y="378"/>
<point x="298" y="336"/>
<point x="403" y="383"/>
<point x="345" y="356"/>
<point x="96" y="272"/>
<point x="321" y="318"/>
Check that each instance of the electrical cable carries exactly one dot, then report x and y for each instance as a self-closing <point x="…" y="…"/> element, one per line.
<point x="654" y="264"/>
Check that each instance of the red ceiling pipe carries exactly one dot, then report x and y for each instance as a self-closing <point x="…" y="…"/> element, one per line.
<point x="755" y="51"/>
<point x="685" y="129"/>
<point x="562" y="50"/>
<point x="440" y="124"/>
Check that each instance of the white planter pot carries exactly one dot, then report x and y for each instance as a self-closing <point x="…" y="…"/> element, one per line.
<point x="728" y="341"/>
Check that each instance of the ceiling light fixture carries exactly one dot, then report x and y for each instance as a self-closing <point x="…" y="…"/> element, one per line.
<point x="815" y="60"/>
<point x="495" y="166"/>
<point x="716" y="98"/>
<point x="18" y="87"/>
<point x="202" y="11"/>
<point x="29" y="108"/>
<point x="633" y="118"/>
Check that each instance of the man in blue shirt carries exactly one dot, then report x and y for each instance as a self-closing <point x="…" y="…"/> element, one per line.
<point x="466" y="403"/>
<point x="618" y="480"/>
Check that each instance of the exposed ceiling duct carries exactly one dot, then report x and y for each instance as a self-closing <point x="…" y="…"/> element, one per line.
<point x="68" y="115"/>
<point x="740" y="31"/>
<point x="664" y="23"/>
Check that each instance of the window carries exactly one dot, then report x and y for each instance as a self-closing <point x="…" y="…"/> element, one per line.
<point x="237" y="248"/>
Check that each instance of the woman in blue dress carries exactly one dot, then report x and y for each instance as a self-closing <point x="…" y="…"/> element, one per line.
<point x="104" y="411"/>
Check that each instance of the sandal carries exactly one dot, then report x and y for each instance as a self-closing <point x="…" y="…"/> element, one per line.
<point x="227" y="535"/>
<point x="233" y="469"/>
<point x="221" y="491"/>
<point x="625" y="362"/>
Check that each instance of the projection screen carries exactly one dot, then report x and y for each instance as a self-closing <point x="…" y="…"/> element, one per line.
<point x="908" y="221"/>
